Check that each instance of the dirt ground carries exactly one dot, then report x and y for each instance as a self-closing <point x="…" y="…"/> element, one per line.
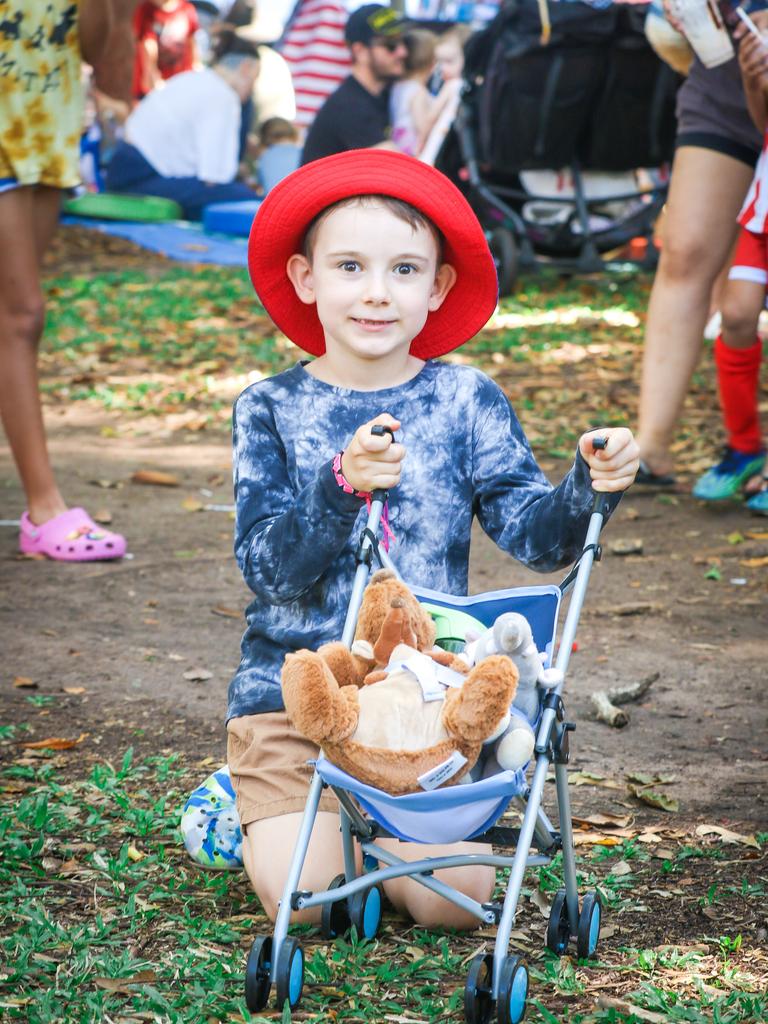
<point x="124" y="635"/>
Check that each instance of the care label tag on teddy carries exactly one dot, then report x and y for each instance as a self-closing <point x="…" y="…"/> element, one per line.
<point x="424" y="669"/>
<point x="442" y="772"/>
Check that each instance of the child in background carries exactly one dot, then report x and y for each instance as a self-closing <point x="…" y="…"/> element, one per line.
<point x="449" y="54"/>
<point x="375" y="264"/>
<point x="738" y="349"/>
<point x="279" y="151"/>
<point x="165" y="42"/>
<point x="413" y="109"/>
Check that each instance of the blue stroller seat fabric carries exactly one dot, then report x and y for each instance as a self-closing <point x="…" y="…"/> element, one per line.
<point x="496" y="987"/>
<point x="440" y="816"/>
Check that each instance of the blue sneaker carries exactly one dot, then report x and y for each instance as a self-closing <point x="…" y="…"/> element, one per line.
<point x="729" y="475"/>
<point x="759" y="502"/>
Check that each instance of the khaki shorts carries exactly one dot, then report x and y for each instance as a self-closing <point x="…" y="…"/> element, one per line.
<point x="268" y="762"/>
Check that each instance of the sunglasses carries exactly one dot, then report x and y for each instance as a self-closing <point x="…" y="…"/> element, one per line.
<point x="392" y="45"/>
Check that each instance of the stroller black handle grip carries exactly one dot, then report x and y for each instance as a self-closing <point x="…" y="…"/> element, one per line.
<point x="380" y="430"/>
<point x="599" y="444"/>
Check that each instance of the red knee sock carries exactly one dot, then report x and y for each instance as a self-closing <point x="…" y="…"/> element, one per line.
<point x="738" y="373"/>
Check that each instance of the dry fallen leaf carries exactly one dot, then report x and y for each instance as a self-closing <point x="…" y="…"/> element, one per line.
<point x="654" y="799"/>
<point x="227" y="613"/>
<point x="580" y="778"/>
<point x="595" y="839"/>
<point x="631" y="1010"/>
<point x="121" y="986"/>
<point x="192" y="505"/>
<point x="631" y="608"/>
<point x="620" y="868"/>
<point x="75" y="690"/>
<point x="626" y="546"/>
<point x="727" y="835"/>
<point x="754" y="563"/>
<point x="103" y="516"/>
<point x="197" y="675"/>
<point x="53" y="743"/>
<point x="134" y="853"/>
<point x="155" y="476"/>
<point x="605" y="820"/>
<point x="540" y="901"/>
<point x="664" y="853"/>
<point x="24" y="683"/>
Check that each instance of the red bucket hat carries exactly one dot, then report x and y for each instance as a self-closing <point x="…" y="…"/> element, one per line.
<point x="289" y="208"/>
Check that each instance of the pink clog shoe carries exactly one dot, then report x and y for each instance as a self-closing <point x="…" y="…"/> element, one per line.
<point x="70" y="537"/>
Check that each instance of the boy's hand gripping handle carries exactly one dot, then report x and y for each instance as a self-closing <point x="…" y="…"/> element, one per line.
<point x="379" y="431"/>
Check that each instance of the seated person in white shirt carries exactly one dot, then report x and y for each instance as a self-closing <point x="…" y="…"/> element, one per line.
<point x="182" y="141"/>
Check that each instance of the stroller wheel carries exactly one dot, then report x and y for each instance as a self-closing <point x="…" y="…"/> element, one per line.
<point x="589" y="926"/>
<point x="365" y="912"/>
<point x="334" y="918"/>
<point x="503" y="248"/>
<point x="257" y="969"/>
<point x="289" y="973"/>
<point x="478" y="998"/>
<point x="558" y="929"/>
<point x="513" y="990"/>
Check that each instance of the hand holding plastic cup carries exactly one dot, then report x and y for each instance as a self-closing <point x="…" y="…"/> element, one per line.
<point x="702" y="24"/>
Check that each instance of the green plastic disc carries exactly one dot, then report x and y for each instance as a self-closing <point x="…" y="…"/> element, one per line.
<point x="114" y="206"/>
<point x="452" y="626"/>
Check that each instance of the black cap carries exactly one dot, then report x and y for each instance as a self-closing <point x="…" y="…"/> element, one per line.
<point x="374" y="21"/>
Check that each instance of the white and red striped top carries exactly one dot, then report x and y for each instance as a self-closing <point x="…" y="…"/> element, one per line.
<point x="317" y="54"/>
<point x="754" y="212"/>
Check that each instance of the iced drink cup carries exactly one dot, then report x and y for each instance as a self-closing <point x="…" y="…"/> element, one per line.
<point x="703" y="27"/>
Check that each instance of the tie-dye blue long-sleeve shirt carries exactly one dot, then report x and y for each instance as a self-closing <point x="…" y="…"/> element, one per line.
<point x="296" y="530"/>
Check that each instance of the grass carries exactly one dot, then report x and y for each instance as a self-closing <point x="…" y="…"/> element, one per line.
<point x="174" y="344"/>
<point x="103" y="918"/>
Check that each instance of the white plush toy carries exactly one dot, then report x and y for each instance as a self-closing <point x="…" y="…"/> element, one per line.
<point x="511" y="635"/>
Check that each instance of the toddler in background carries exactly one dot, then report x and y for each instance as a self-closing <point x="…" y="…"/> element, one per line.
<point x="413" y="109"/>
<point x="279" y="151"/>
<point x="449" y="54"/>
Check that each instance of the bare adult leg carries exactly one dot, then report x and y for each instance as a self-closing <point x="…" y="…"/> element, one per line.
<point x="28" y="218"/>
<point x="706" y="193"/>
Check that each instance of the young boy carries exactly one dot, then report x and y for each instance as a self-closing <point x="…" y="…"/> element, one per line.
<point x="738" y="349"/>
<point x="373" y="263"/>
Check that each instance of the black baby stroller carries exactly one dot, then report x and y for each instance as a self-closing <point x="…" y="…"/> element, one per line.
<point x="496" y="987"/>
<point x="586" y="95"/>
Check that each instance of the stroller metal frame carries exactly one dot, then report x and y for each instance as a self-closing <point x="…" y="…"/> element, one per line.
<point x="273" y="961"/>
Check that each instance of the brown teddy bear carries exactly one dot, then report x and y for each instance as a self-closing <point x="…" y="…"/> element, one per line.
<point x="393" y="711"/>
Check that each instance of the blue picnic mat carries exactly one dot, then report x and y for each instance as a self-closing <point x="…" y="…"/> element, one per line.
<point x="176" y="239"/>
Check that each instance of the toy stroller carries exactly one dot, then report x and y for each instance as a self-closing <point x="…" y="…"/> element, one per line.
<point x="496" y="987"/>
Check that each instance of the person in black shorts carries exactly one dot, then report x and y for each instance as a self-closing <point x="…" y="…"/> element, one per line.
<point x="356" y="116"/>
<point x="716" y="150"/>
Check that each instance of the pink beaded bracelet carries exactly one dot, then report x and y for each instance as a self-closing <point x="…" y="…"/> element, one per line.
<point x="342" y="481"/>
